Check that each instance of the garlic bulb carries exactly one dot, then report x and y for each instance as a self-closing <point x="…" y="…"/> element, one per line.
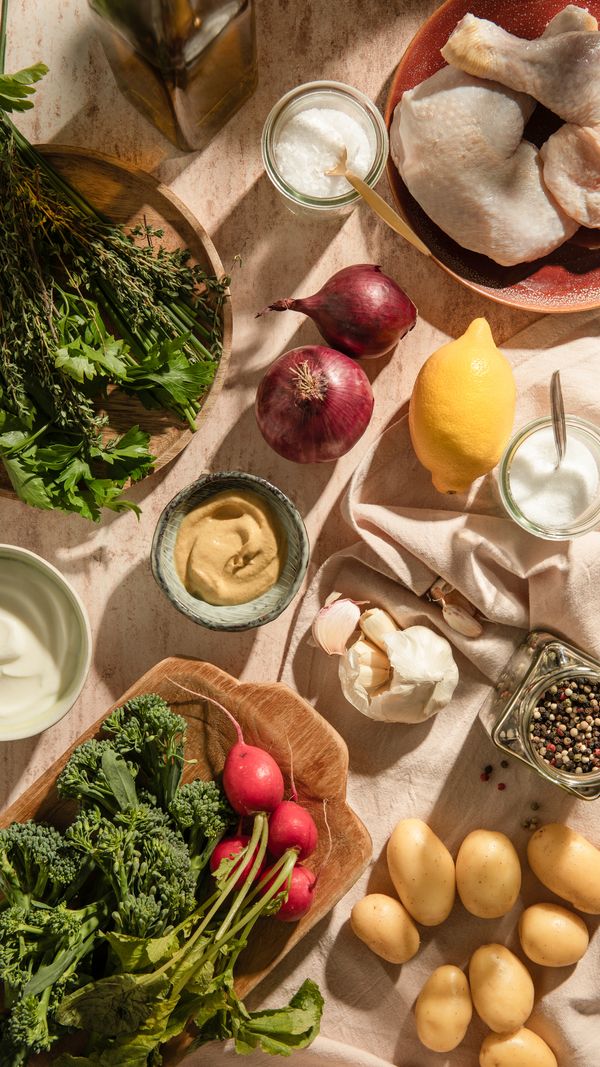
<point x="421" y="678"/>
<point x="335" y="623"/>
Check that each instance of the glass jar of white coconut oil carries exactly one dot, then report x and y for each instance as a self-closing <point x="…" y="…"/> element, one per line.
<point x="304" y="137"/>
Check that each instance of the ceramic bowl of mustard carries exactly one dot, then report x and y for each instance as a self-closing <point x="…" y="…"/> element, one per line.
<point x="230" y="551"/>
<point x="45" y="644"/>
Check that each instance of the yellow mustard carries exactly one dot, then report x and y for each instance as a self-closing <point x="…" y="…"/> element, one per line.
<point x="230" y="549"/>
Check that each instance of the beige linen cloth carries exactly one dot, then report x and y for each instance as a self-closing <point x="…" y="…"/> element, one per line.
<point x="407" y="534"/>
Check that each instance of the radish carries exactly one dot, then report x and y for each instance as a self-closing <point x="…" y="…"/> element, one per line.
<point x="292" y="826"/>
<point x="300" y="895"/>
<point x="252" y="780"/>
<point x="231" y="847"/>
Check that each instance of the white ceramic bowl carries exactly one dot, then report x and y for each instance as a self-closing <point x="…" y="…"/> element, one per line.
<point x="70" y="625"/>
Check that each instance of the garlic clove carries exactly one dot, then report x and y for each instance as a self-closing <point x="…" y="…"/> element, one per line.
<point x="335" y="623"/>
<point x="370" y="655"/>
<point x="376" y="625"/>
<point x="460" y="620"/>
<point x="372" y="677"/>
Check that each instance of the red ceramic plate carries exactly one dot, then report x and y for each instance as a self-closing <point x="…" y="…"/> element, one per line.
<point x="569" y="278"/>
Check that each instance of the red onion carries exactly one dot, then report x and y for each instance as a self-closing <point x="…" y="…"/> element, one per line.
<point x="313" y="404"/>
<point x="359" y="311"/>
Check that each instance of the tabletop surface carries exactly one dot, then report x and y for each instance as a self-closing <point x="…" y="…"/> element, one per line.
<point x="280" y="255"/>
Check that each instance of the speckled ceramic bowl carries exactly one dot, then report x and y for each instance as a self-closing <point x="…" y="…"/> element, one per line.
<point x="233" y="617"/>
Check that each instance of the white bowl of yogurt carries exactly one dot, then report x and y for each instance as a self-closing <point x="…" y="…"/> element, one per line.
<point x="45" y="644"/>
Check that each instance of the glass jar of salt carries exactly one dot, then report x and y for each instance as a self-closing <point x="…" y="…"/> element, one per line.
<point x="304" y="137"/>
<point x="553" y="500"/>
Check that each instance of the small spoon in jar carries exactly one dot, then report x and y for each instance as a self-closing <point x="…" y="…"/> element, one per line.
<point x="559" y="425"/>
<point x="377" y="203"/>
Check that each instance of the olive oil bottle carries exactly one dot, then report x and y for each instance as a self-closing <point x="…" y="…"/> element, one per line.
<point x="187" y="65"/>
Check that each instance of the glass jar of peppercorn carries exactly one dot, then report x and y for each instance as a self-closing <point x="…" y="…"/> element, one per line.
<point x="545" y="710"/>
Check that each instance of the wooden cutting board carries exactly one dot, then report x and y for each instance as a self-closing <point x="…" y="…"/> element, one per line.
<point x="129" y="196"/>
<point x="275" y="718"/>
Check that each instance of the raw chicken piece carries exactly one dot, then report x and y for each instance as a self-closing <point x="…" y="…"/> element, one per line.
<point x="457" y="142"/>
<point x="561" y="71"/>
<point x="569" y="19"/>
<point x="571" y="159"/>
<point x="571" y="156"/>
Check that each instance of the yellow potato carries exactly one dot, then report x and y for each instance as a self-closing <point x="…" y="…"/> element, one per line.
<point x="568" y="864"/>
<point x="386" y="927"/>
<point x="488" y="874"/>
<point x="443" y="1010"/>
<point x="522" y="1048"/>
<point x="553" y="936"/>
<point x="501" y="988"/>
<point x="422" y="871"/>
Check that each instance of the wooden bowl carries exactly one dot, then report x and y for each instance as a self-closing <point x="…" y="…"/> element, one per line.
<point x="271" y="715"/>
<point x="128" y="197"/>
<point x="566" y="280"/>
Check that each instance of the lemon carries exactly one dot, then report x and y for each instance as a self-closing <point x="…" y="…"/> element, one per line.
<point x="462" y="409"/>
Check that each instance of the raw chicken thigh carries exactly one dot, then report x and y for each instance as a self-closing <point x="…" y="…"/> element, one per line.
<point x="457" y="142"/>
<point x="561" y="70"/>
<point x="571" y="159"/>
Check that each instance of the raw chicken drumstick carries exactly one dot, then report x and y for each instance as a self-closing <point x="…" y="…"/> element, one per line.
<point x="571" y="18"/>
<point x="561" y="70"/>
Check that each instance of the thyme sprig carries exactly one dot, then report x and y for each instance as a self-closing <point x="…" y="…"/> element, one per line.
<point x="86" y="306"/>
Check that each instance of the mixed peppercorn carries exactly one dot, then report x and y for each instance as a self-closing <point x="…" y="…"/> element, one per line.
<point x="564" y="727"/>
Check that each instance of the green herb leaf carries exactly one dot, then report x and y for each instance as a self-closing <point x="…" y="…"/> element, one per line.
<point x="15" y="88"/>
<point x="26" y="482"/>
<point x="83" y="362"/>
<point x="75" y="471"/>
<point x="132" y="445"/>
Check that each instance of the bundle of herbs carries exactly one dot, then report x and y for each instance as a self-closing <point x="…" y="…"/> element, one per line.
<point x="86" y="307"/>
<point x="115" y="931"/>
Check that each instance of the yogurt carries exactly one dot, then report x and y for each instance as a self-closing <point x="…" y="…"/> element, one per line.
<point x="41" y="650"/>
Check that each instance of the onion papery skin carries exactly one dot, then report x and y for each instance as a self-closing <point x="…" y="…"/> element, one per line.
<point x="360" y="311"/>
<point x="313" y="425"/>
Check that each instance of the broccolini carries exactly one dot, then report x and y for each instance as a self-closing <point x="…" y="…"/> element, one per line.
<point x="202" y="813"/>
<point x="35" y="863"/>
<point x="146" y="731"/>
<point x="95" y="775"/>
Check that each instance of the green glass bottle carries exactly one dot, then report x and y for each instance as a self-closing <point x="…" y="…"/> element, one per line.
<point x="187" y="65"/>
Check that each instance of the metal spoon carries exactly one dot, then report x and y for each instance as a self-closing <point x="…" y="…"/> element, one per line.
<point x="559" y="425"/>
<point x="377" y="203"/>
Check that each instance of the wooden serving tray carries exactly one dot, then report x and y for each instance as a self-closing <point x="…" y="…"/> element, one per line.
<point x="277" y="719"/>
<point x="129" y="196"/>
